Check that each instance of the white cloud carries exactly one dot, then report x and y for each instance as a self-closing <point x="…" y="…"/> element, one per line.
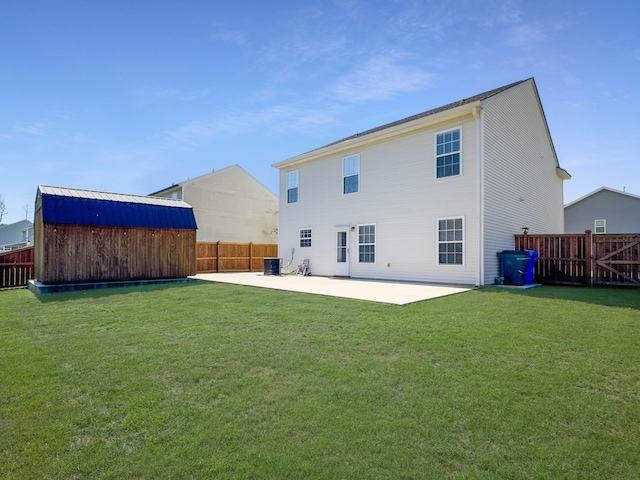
<point x="163" y="92"/>
<point x="382" y="77"/>
<point x="502" y="12"/>
<point x="228" y="35"/>
<point x="241" y="122"/>
<point x="526" y="36"/>
<point x="196" y="94"/>
<point x="33" y="128"/>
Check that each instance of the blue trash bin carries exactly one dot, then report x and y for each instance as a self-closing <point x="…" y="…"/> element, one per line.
<point x="516" y="266"/>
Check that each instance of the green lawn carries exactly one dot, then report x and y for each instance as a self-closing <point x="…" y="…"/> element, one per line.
<point x="220" y="381"/>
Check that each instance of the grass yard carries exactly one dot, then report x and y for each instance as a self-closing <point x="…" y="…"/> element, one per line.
<point x="221" y="381"/>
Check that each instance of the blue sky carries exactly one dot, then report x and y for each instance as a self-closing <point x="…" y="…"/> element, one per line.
<point x="133" y="96"/>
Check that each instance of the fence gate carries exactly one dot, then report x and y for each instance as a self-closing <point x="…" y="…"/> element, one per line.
<point x="616" y="260"/>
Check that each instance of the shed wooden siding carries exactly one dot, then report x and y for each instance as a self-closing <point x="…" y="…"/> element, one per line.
<point x="77" y="253"/>
<point x="399" y="193"/>
<point x="521" y="187"/>
<point x="80" y="253"/>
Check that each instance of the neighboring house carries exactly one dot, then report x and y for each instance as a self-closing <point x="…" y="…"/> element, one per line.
<point x="603" y="211"/>
<point x="431" y="198"/>
<point x="16" y="235"/>
<point x="88" y="236"/>
<point x="230" y="206"/>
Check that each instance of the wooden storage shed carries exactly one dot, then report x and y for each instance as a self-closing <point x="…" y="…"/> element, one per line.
<point x="87" y="236"/>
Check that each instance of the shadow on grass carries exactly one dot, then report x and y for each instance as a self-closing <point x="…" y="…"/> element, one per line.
<point x="610" y="297"/>
<point x="103" y="292"/>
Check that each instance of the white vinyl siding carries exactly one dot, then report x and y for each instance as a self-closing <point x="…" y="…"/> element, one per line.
<point x="521" y="188"/>
<point x="402" y="197"/>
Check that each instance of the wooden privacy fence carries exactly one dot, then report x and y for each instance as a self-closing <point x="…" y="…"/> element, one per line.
<point x="16" y="267"/>
<point x="585" y="259"/>
<point x="213" y="257"/>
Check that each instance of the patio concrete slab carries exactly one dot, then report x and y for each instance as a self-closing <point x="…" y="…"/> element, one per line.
<point x="398" y="293"/>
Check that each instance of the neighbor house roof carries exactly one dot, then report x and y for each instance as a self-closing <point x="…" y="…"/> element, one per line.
<point x="13" y="233"/>
<point x="600" y="190"/>
<point x="389" y="126"/>
<point x="88" y="207"/>
<point x="210" y="174"/>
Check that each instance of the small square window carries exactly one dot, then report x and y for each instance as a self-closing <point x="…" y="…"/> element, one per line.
<point x="600" y="226"/>
<point x="305" y="237"/>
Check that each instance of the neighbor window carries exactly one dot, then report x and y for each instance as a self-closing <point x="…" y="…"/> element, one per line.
<point x="600" y="226"/>
<point x="305" y="237"/>
<point x="448" y="153"/>
<point x="367" y="244"/>
<point x="292" y="186"/>
<point x="350" y="173"/>
<point x="450" y="241"/>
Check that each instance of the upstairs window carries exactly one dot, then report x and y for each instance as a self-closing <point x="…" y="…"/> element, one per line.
<point x="292" y="186"/>
<point x="305" y="237"/>
<point x="350" y="173"/>
<point x="600" y="226"/>
<point x="450" y="241"/>
<point x="366" y="244"/>
<point x="448" y="153"/>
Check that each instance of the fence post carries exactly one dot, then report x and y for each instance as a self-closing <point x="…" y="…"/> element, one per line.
<point x="588" y="253"/>
<point x="251" y="256"/>
<point x="525" y="240"/>
<point x="218" y="255"/>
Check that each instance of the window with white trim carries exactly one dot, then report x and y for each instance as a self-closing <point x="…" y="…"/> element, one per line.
<point x="600" y="226"/>
<point x="451" y="241"/>
<point x="293" y="179"/>
<point x="448" y="151"/>
<point x="366" y="244"/>
<point x="305" y="237"/>
<point x="350" y="173"/>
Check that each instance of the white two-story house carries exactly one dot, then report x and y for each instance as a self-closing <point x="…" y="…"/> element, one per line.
<point x="428" y="198"/>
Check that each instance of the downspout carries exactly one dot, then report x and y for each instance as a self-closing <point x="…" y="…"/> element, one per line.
<point x="479" y="117"/>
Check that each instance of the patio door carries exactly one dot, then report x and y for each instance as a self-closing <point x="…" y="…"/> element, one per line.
<point x="342" y="252"/>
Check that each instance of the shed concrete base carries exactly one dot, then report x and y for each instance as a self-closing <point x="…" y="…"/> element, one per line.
<point x="38" y="287"/>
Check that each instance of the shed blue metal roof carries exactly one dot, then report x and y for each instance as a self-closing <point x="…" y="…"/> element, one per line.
<point x="86" y="207"/>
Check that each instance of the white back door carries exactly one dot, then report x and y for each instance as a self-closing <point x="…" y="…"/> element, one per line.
<point x="342" y="252"/>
